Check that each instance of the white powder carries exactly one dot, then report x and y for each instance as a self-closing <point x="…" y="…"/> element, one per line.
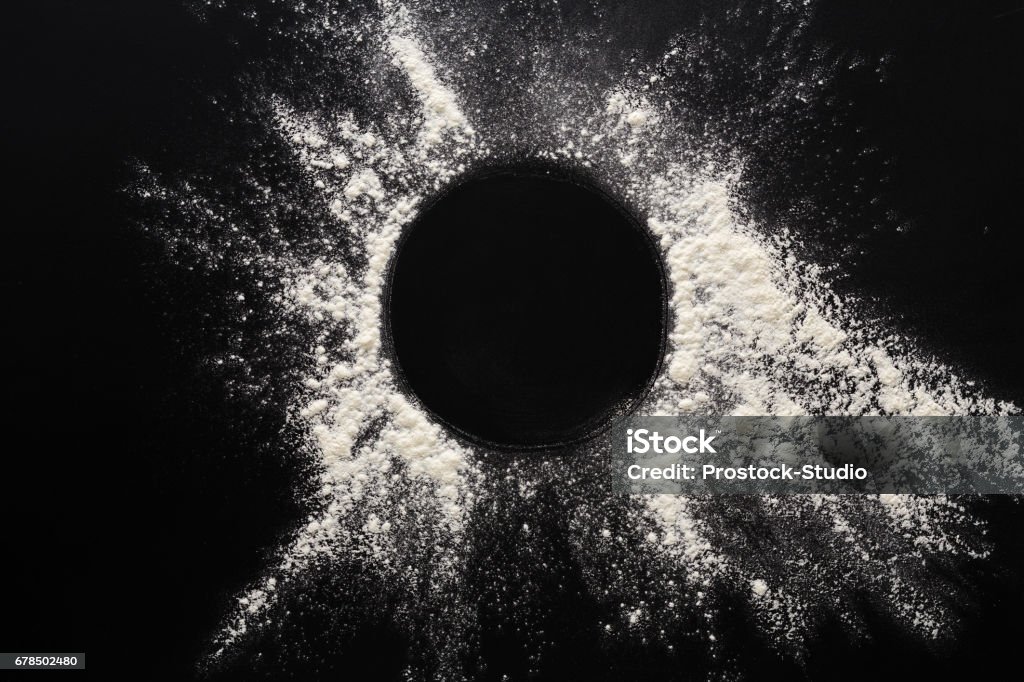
<point x="351" y="385"/>
<point x="364" y="182"/>
<point x="753" y="331"/>
<point x="631" y="110"/>
<point x="440" y="110"/>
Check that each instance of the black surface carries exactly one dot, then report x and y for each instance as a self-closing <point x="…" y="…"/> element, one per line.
<point x="131" y="504"/>
<point x="525" y="309"/>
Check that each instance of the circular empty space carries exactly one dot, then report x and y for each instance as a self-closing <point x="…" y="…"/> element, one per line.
<point x="526" y="309"/>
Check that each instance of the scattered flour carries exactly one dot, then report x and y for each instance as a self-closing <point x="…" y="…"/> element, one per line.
<point x="754" y="331"/>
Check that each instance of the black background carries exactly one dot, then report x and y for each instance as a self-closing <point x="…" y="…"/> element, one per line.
<point x="123" y="537"/>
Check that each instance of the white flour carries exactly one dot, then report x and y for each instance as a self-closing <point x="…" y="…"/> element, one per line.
<point x="754" y="331"/>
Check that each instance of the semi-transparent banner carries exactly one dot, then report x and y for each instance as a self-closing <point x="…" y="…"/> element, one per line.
<point x="834" y="455"/>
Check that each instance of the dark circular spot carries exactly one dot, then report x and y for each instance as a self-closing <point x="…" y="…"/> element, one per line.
<point x="526" y="309"/>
